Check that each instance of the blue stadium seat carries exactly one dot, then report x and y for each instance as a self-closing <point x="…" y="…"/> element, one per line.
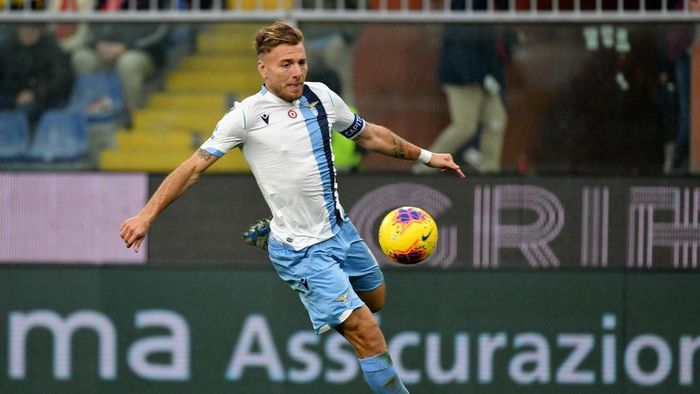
<point x="14" y="135"/>
<point x="60" y="136"/>
<point x="99" y="96"/>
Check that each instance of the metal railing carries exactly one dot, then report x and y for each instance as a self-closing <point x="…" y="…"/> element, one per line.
<point x="385" y="11"/>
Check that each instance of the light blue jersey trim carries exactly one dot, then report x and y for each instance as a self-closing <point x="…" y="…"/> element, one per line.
<point x="320" y="144"/>
<point x="215" y="152"/>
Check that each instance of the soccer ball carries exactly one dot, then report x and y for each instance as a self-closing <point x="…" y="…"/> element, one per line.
<point x="408" y="235"/>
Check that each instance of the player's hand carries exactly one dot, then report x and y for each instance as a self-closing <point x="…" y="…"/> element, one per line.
<point x="258" y="233"/>
<point x="444" y="162"/>
<point x="133" y="231"/>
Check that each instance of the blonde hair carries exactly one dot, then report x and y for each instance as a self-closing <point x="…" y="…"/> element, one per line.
<point x="278" y="33"/>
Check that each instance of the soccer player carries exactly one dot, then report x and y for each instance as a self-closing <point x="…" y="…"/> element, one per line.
<point x="284" y="133"/>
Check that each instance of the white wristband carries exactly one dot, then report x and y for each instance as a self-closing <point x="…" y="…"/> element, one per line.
<point x="425" y="156"/>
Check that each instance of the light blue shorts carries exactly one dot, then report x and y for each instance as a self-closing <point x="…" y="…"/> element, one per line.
<point x="327" y="275"/>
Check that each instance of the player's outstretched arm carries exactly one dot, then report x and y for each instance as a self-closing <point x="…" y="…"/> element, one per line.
<point x="380" y="139"/>
<point x="134" y="229"/>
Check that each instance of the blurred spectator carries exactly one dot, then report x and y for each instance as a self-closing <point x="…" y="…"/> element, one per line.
<point x="679" y="43"/>
<point x="134" y="51"/>
<point x="5" y="32"/>
<point x="328" y="5"/>
<point x="332" y="47"/>
<point x="471" y="70"/>
<point x="136" y="5"/>
<point x="23" y="5"/>
<point x="607" y="117"/>
<point x="35" y="74"/>
<point x="71" y="36"/>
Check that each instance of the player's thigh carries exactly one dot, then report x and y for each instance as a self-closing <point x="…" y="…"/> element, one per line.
<point x="374" y="299"/>
<point x="363" y="270"/>
<point x="363" y="333"/>
<point x="359" y="263"/>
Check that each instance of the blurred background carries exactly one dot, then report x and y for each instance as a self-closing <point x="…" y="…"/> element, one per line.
<point x="567" y="261"/>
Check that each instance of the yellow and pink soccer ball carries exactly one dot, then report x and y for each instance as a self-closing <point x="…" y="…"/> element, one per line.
<point x="408" y="235"/>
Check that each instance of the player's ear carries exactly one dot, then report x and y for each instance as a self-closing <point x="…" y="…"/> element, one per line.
<point x="262" y="70"/>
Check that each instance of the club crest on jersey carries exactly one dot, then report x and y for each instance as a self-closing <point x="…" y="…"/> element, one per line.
<point x="265" y="118"/>
<point x="312" y="108"/>
<point x="292" y="113"/>
<point x="343" y="298"/>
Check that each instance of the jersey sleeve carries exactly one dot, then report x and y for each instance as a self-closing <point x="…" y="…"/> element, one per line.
<point x="228" y="133"/>
<point x="347" y="123"/>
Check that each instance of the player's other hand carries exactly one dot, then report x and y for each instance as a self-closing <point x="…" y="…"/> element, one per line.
<point x="133" y="231"/>
<point x="444" y="162"/>
<point x="258" y="233"/>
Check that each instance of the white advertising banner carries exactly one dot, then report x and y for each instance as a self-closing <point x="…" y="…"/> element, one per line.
<point x="68" y="218"/>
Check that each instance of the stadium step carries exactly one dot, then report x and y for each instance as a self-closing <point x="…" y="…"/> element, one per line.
<point x="208" y="42"/>
<point x="229" y="81"/>
<point x="187" y="101"/>
<point x="195" y="97"/>
<point x="159" y="140"/>
<point x="228" y="39"/>
<point x="220" y="63"/>
<point x="204" y="121"/>
<point x="164" y="161"/>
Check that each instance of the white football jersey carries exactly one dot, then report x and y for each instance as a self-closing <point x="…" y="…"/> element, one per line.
<point x="288" y="148"/>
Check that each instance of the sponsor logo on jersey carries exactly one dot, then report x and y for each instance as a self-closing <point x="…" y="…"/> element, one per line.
<point x="265" y="118"/>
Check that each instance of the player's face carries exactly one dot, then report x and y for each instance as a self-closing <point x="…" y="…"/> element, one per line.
<point x="284" y="71"/>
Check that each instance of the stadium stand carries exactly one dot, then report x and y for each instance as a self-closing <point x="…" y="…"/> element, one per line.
<point x="60" y="136"/>
<point x="169" y="121"/>
<point x="195" y="96"/>
<point x="99" y="96"/>
<point x="14" y="135"/>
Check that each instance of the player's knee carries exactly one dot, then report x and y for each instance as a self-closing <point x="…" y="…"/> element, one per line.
<point x="359" y="323"/>
<point x="363" y="332"/>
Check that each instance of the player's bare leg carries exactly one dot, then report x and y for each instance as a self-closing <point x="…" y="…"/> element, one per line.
<point x="374" y="299"/>
<point x="363" y="333"/>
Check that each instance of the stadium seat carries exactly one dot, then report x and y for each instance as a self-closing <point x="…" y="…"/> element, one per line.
<point x="14" y="135"/>
<point x="60" y="136"/>
<point x="99" y="96"/>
